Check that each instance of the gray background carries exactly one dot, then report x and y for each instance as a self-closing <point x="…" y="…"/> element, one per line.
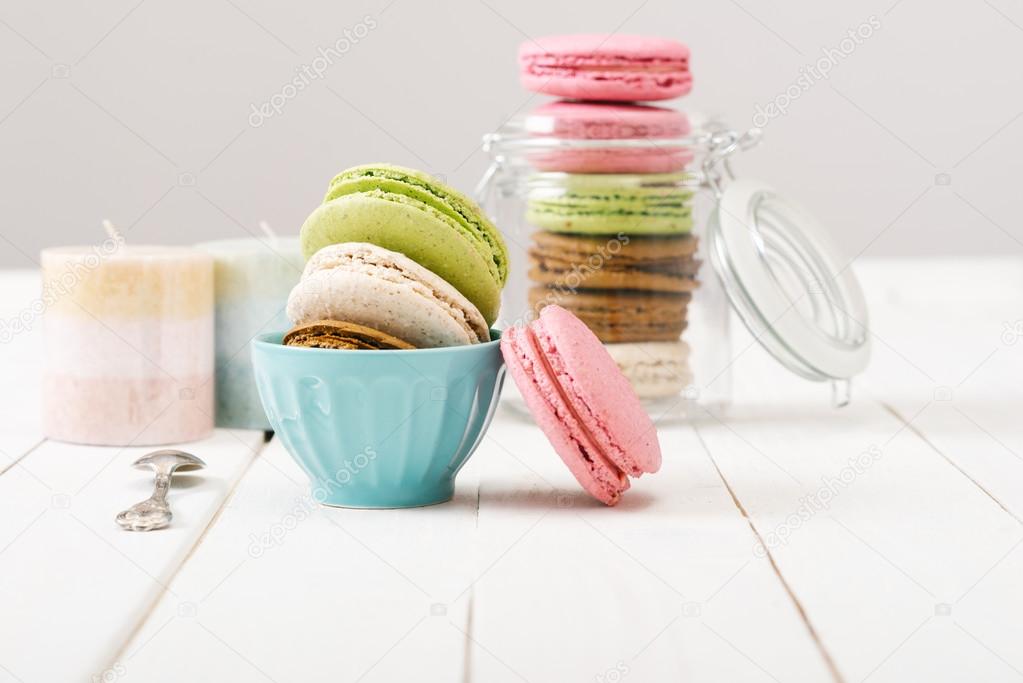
<point x="140" y="111"/>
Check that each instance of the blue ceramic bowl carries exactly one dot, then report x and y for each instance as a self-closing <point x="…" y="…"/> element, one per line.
<point x="379" y="429"/>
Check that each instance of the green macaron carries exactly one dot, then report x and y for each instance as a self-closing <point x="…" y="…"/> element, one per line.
<point x="598" y="204"/>
<point x="413" y="213"/>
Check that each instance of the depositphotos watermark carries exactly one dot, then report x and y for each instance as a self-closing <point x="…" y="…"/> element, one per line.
<point x="819" y="500"/>
<point x="570" y="282"/>
<point x="314" y="70"/>
<point x="578" y="275"/>
<point x="812" y="74"/>
<point x="58" y="286"/>
<point x="305" y="506"/>
<point x="1012" y="332"/>
<point x="614" y="674"/>
<point x="112" y="673"/>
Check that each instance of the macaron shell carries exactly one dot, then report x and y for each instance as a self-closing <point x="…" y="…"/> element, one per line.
<point x="620" y="316"/>
<point x="600" y="479"/>
<point x="606" y="67"/>
<point x="569" y="120"/>
<point x="386" y="291"/>
<point x="595" y="204"/>
<point x="430" y="191"/>
<point x="597" y="391"/>
<point x="655" y="369"/>
<point x="340" y="334"/>
<point x="398" y="269"/>
<point x="608" y="47"/>
<point x="655" y="264"/>
<point x="403" y="224"/>
<point x="606" y="121"/>
<point x="366" y="300"/>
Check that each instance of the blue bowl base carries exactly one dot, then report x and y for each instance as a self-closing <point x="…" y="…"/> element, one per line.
<point x="378" y="499"/>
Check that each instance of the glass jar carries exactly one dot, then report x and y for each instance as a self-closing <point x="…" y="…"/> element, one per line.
<point x="644" y="234"/>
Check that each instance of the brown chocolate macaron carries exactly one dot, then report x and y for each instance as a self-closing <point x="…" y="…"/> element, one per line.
<point x="651" y="264"/>
<point x="620" y="316"/>
<point x="337" y="334"/>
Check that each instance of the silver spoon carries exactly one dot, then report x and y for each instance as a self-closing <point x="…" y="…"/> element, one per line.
<point x="154" y="512"/>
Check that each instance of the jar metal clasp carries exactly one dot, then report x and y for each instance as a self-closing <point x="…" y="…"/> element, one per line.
<point x="482" y="190"/>
<point x="722" y="145"/>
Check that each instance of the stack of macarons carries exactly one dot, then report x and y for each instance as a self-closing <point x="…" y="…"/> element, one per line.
<point x="396" y="260"/>
<point x="610" y="199"/>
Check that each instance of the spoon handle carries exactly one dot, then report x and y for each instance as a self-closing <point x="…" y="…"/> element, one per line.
<point x="152" y="513"/>
<point x="161" y="485"/>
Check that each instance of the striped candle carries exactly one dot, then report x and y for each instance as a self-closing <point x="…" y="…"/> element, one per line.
<point x="253" y="278"/>
<point x="129" y="344"/>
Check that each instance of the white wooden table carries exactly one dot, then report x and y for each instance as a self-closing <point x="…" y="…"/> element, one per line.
<point x="893" y="531"/>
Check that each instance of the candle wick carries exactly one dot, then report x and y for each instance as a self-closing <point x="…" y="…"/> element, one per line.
<point x="112" y="231"/>
<point x="268" y="231"/>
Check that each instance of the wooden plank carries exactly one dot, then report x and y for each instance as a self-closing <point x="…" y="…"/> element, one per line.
<point x="74" y="583"/>
<point x="663" y="587"/>
<point x="282" y="589"/>
<point x="877" y="536"/>
<point x="951" y="360"/>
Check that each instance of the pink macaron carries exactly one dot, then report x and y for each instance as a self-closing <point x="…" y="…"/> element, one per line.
<point x="606" y="67"/>
<point x="582" y="402"/>
<point x="569" y="121"/>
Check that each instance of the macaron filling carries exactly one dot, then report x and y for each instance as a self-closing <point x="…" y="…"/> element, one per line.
<point x="559" y="65"/>
<point x="611" y="203"/>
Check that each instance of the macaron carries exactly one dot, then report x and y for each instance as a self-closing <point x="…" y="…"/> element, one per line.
<point x="620" y="316"/>
<point x="338" y="334"/>
<point x="605" y="67"/>
<point x="586" y="121"/>
<point x="654" y="369"/>
<point x="602" y="204"/>
<point x="384" y="290"/>
<point x="582" y="402"/>
<point x="653" y="264"/>
<point x="410" y="212"/>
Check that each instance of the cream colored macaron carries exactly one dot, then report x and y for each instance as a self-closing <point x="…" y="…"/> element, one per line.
<point x="655" y="369"/>
<point x="387" y="291"/>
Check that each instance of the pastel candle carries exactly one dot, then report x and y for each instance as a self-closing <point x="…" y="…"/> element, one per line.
<point x="129" y="344"/>
<point x="253" y="278"/>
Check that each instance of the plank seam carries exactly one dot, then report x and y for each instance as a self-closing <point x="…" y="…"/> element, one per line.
<point x="814" y="635"/>
<point x="467" y="641"/>
<point x="908" y="424"/>
<point x="17" y="461"/>
<point x="257" y="452"/>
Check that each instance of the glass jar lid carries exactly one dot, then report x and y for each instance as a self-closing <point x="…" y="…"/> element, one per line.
<point x="788" y="282"/>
